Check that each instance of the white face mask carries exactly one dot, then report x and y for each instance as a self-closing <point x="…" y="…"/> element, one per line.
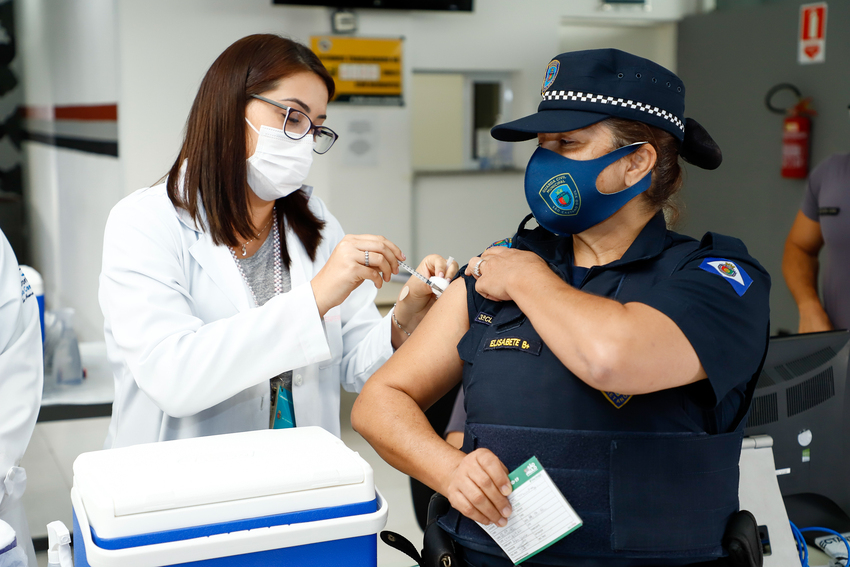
<point x="279" y="164"/>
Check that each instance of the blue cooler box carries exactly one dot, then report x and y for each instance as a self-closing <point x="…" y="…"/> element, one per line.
<point x="291" y="497"/>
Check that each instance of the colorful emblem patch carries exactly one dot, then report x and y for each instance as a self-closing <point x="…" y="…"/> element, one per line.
<point x="484" y="318"/>
<point x="617" y="400"/>
<point x="561" y="195"/>
<point x="530" y="346"/>
<point x="733" y="273"/>
<point x="505" y="242"/>
<point x="551" y="74"/>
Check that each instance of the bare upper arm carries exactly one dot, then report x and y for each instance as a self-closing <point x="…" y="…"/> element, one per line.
<point x="805" y="234"/>
<point x="428" y="365"/>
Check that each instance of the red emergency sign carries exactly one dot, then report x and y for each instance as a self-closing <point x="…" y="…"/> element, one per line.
<point x="812" y="36"/>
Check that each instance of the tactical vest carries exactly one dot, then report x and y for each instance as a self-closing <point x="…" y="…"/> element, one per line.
<point x="664" y="494"/>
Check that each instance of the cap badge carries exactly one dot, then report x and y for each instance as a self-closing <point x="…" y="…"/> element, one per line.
<point x="551" y="73"/>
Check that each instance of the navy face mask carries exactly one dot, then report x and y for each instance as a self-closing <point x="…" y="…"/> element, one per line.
<point x="562" y="192"/>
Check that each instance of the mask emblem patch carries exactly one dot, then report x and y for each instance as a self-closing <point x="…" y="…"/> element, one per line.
<point x="561" y="195"/>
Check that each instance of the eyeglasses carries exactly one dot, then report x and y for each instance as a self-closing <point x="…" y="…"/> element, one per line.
<point x="296" y="125"/>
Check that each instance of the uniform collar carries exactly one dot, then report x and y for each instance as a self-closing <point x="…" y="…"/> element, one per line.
<point x="649" y="243"/>
<point x="558" y="250"/>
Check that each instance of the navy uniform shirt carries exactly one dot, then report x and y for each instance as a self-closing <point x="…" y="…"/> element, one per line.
<point x="712" y="289"/>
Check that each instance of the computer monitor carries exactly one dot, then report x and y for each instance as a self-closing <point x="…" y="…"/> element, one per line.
<point x="802" y="400"/>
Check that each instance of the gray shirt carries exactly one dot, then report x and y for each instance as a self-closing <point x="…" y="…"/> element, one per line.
<point x="827" y="201"/>
<point x="259" y="271"/>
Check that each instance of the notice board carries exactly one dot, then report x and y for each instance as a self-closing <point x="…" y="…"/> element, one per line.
<point x="365" y="70"/>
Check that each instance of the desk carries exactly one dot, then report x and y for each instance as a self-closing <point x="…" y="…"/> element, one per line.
<point x="92" y="398"/>
<point x="54" y="446"/>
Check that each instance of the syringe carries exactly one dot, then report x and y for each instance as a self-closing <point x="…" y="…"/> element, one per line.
<point x="438" y="291"/>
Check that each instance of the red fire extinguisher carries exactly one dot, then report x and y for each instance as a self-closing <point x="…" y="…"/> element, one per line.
<point x="796" y="133"/>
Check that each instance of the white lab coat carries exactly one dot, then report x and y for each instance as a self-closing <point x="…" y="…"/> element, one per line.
<point x="190" y="355"/>
<point x="21" y="375"/>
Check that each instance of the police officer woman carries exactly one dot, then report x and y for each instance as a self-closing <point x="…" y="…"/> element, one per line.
<point x="620" y="354"/>
<point x="232" y="298"/>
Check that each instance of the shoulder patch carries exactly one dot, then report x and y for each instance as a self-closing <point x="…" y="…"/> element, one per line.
<point x="506" y="242"/>
<point x="617" y="400"/>
<point x="26" y="288"/>
<point x="730" y="271"/>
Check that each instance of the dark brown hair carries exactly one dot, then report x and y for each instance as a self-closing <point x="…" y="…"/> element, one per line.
<point x="667" y="176"/>
<point x="215" y="144"/>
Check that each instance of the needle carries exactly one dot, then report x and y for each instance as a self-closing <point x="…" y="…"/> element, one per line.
<point x="421" y="277"/>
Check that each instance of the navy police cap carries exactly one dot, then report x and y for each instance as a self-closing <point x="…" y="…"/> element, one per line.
<point x="581" y="88"/>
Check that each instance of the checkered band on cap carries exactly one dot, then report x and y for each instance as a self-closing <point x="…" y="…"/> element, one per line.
<point x="626" y="103"/>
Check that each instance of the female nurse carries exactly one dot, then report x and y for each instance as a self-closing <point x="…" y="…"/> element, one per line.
<point x="619" y="353"/>
<point x="232" y="298"/>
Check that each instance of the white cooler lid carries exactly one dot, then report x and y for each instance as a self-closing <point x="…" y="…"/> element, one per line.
<point x="192" y="473"/>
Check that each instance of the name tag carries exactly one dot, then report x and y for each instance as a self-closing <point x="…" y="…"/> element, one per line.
<point x="484" y="318"/>
<point x="530" y="346"/>
<point x="829" y="211"/>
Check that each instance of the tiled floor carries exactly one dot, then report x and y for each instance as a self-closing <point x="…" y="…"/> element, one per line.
<point x="55" y="445"/>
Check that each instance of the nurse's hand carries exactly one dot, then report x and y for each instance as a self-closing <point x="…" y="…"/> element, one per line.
<point x="498" y="269"/>
<point x="416" y="297"/>
<point x="346" y="268"/>
<point x="478" y="488"/>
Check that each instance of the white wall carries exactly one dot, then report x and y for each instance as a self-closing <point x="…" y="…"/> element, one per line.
<point x="151" y="55"/>
<point x="166" y="47"/>
<point x="68" y="58"/>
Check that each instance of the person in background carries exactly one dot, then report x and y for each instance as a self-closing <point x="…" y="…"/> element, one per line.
<point x="21" y="376"/>
<point x="619" y="353"/>
<point x="823" y="222"/>
<point x="232" y="298"/>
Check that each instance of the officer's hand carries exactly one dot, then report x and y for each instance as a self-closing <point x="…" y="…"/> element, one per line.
<point x="479" y="487"/>
<point x="498" y="269"/>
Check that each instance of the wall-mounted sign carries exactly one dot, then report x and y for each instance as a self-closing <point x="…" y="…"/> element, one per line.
<point x="812" y="36"/>
<point x="365" y="70"/>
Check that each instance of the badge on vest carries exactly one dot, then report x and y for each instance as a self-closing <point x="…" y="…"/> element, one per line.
<point x="484" y="318"/>
<point x="730" y="271"/>
<point x="530" y="346"/>
<point x="617" y="400"/>
<point x="829" y="211"/>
